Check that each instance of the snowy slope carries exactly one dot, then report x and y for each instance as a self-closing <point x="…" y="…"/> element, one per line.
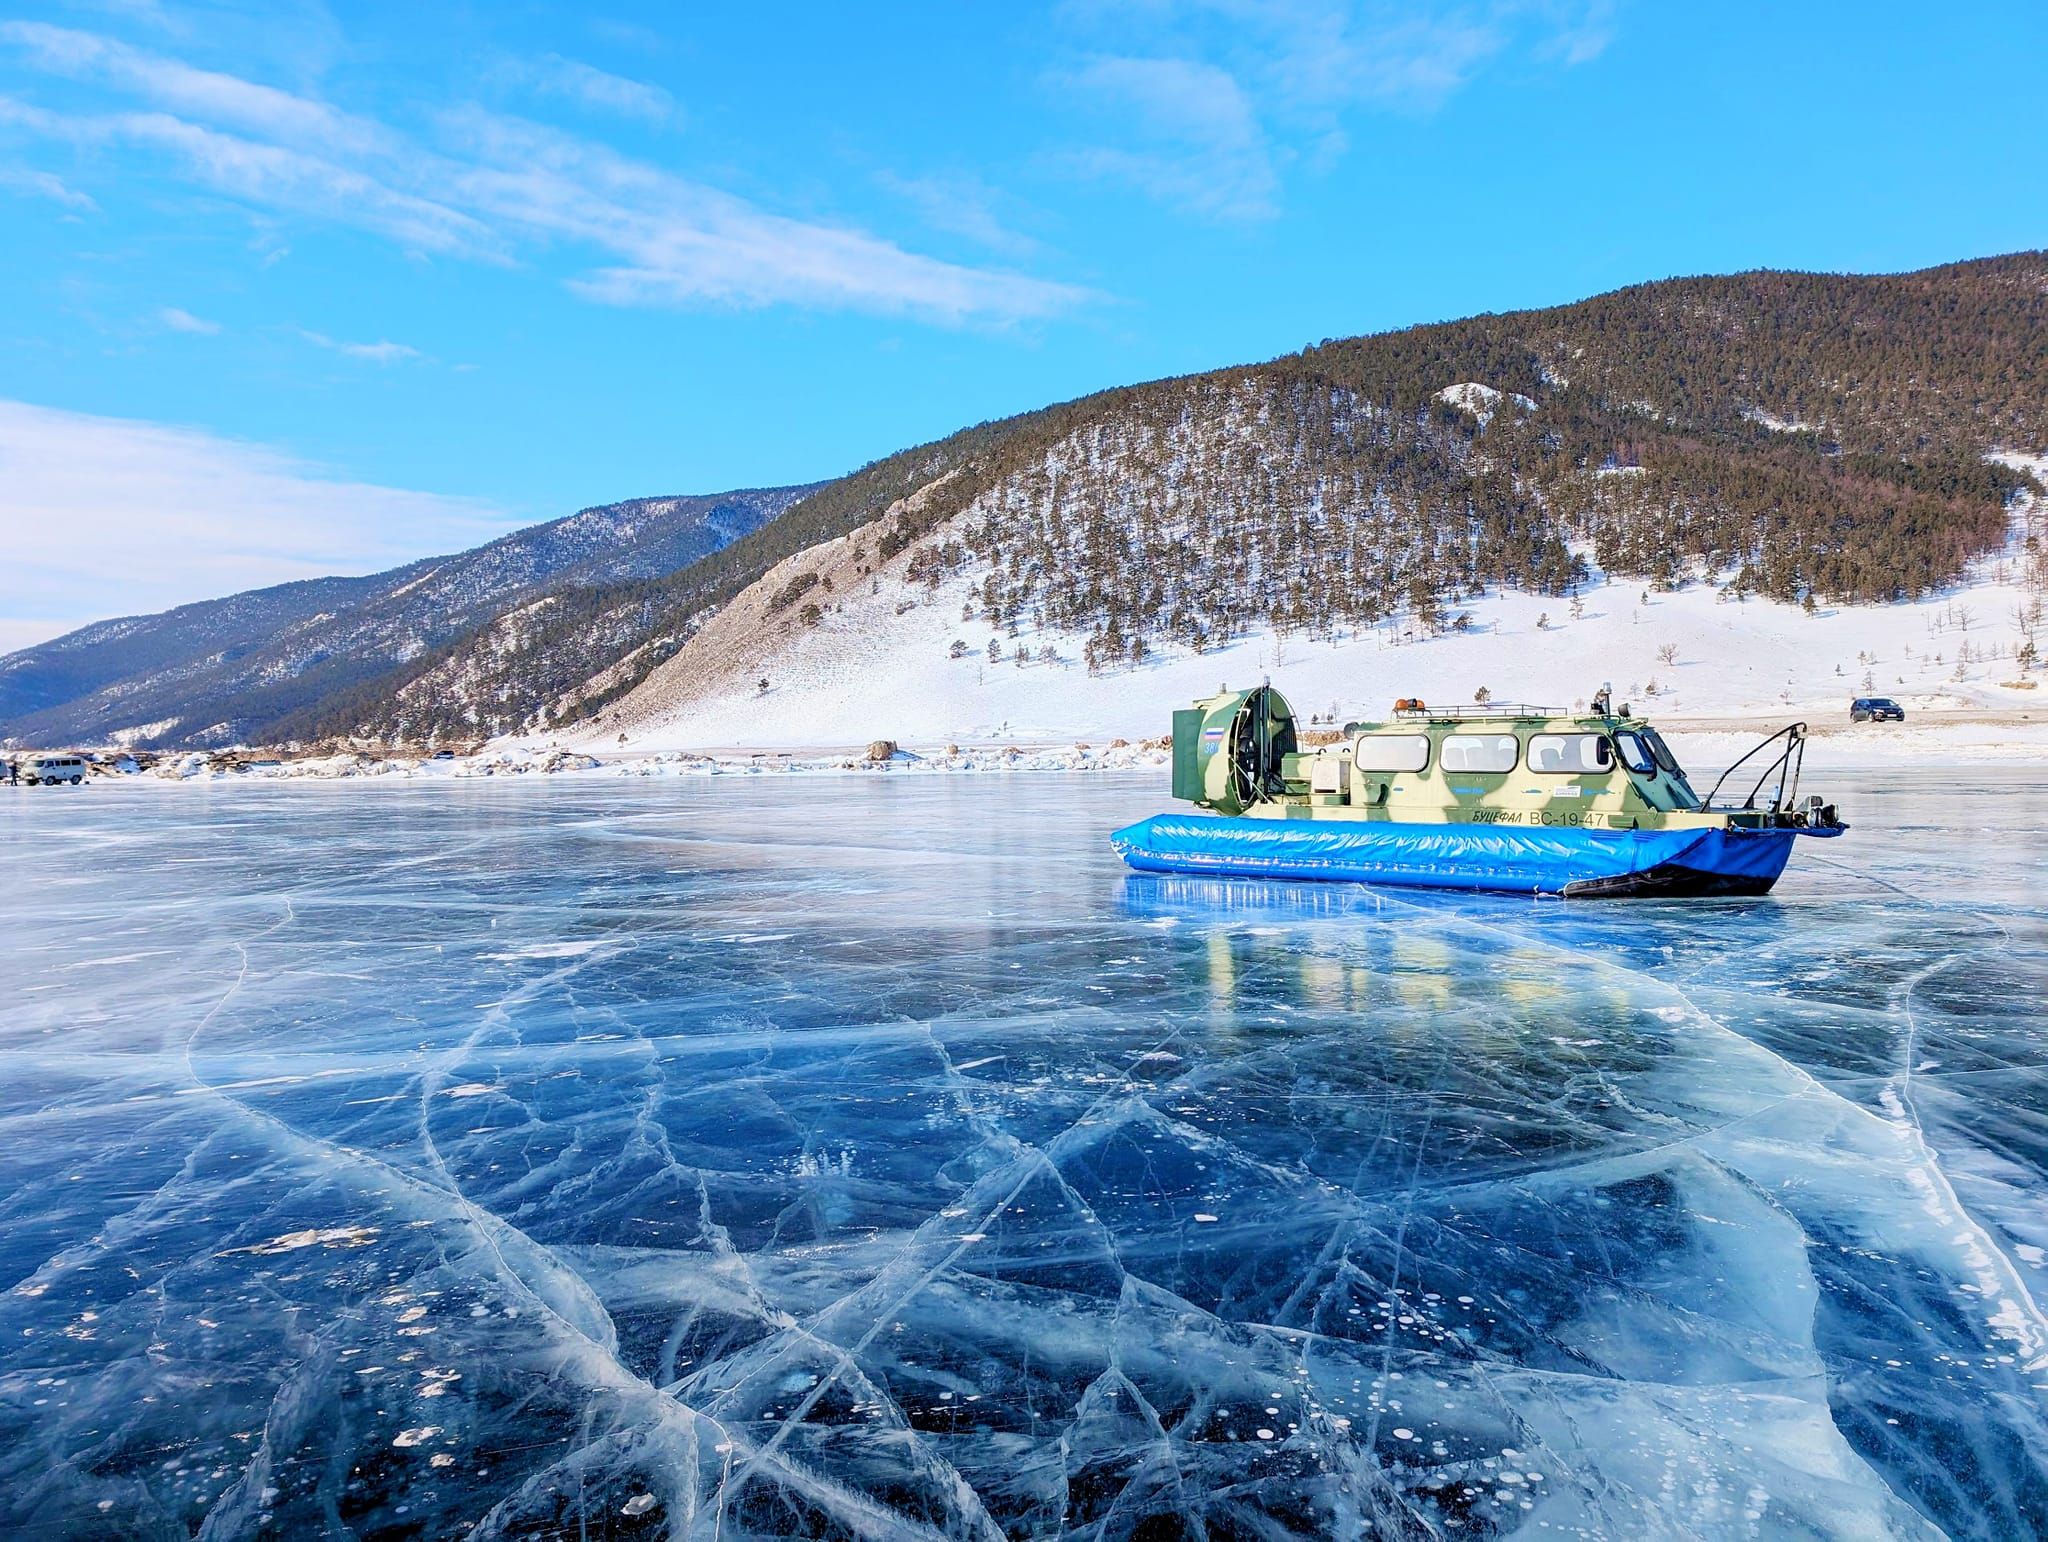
<point x="877" y="664"/>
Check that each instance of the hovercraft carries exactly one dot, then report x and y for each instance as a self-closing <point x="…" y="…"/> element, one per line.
<point x="1512" y="798"/>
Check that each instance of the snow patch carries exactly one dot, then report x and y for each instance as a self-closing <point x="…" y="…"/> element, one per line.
<point x="1482" y="401"/>
<point x="1778" y="425"/>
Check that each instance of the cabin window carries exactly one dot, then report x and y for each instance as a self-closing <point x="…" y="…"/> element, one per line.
<point x="1570" y="754"/>
<point x="1636" y="753"/>
<point x="1479" y="752"/>
<point x="1391" y="752"/>
<point x="1662" y="751"/>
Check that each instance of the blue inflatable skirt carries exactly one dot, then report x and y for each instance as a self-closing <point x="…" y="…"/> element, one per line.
<point x="1570" y="862"/>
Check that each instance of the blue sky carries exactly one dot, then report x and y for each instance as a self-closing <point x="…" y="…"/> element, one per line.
<point x="297" y="289"/>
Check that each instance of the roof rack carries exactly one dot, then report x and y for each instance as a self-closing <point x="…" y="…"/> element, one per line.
<point x="1480" y="710"/>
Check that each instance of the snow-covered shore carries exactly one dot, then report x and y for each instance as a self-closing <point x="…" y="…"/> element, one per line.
<point x="554" y="761"/>
<point x="1705" y="744"/>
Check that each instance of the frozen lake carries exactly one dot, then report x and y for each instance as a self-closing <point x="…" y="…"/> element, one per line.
<point x="873" y="1157"/>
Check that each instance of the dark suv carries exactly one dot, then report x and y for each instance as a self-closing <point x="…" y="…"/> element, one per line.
<point x="1876" y="709"/>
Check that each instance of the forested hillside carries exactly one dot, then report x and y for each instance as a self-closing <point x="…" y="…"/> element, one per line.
<point x="1786" y="435"/>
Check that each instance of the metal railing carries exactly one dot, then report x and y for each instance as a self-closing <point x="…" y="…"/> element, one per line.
<point x="1787" y="764"/>
<point x="1479" y="710"/>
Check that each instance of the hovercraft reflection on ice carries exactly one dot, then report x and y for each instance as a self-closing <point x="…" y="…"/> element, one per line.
<point x="1513" y="798"/>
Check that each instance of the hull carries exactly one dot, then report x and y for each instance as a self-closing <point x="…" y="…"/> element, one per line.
<point x="1570" y="862"/>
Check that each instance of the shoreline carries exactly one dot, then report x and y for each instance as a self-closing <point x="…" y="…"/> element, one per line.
<point x="1703" y="743"/>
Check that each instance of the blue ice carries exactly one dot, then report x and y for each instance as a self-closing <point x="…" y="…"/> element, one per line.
<point x="873" y="1157"/>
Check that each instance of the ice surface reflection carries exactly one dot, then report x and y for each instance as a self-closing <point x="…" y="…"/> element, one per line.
<point x="872" y="1157"/>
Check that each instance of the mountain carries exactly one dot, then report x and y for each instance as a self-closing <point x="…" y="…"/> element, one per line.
<point x="1807" y="440"/>
<point x="1804" y="439"/>
<point x="560" y="656"/>
<point x="231" y="669"/>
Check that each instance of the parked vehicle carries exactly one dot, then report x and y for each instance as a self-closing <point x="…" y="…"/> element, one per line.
<point x="1876" y="709"/>
<point x="49" y="770"/>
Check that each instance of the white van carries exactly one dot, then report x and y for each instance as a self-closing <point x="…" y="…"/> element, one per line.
<point x="49" y="770"/>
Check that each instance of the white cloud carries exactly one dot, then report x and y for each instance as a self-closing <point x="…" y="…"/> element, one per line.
<point x="1579" y="30"/>
<point x="1199" y="142"/>
<point x="498" y="182"/>
<point x="110" y="516"/>
<point x="585" y="84"/>
<point x="184" y="321"/>
<point x="1331" y="56"/>
<point x="383" y="352"/>
<point x="960" y="205"/>
<point x="681" y="243"/>
<point x="223" y="99"/>
<point x="1214" y="96"/>
<point x="41" y="184"/>
<point x="1408" y="55"/>
<point x="271" y="175"/>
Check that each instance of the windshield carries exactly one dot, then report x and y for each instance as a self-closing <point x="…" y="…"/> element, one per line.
<point x="1646" y="755"/>
<point x="1662" y="751"/>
